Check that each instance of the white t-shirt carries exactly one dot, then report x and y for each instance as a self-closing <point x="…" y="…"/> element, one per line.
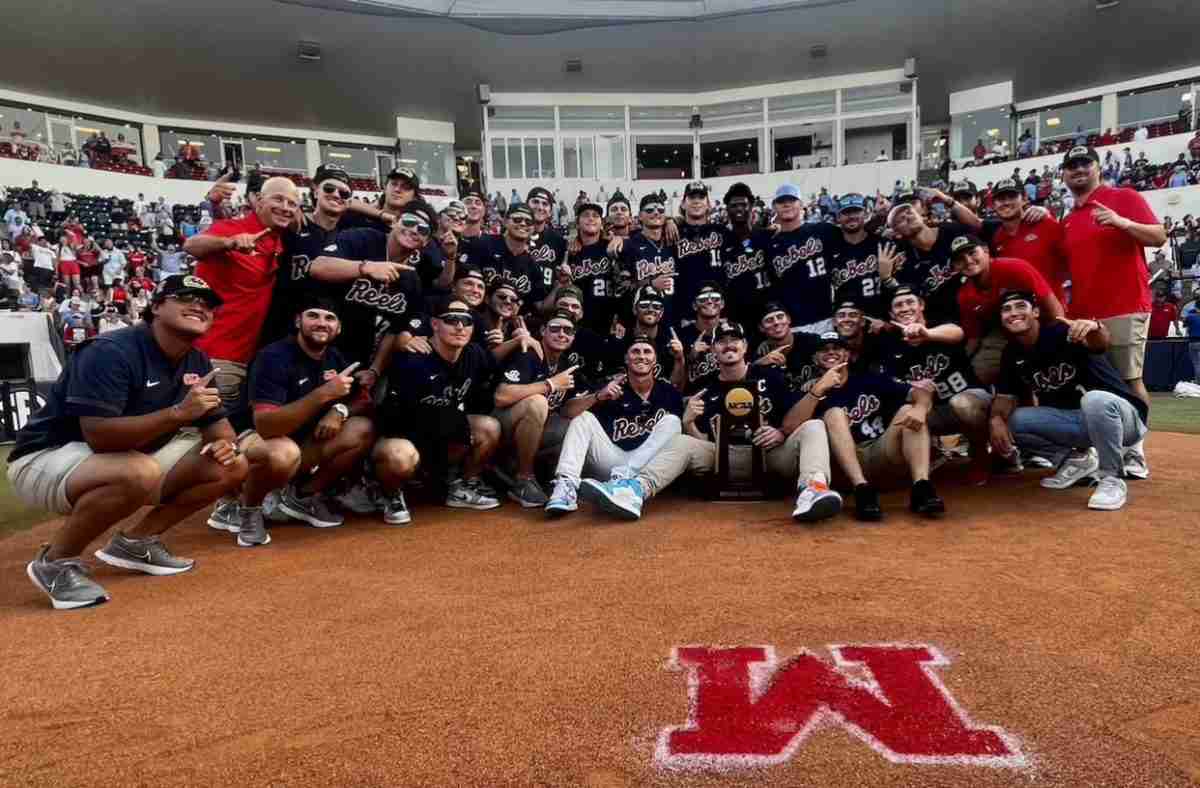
<point x="159" y="169"/>
<point x="1142" y="134"/>
<point x="44" y="257"/>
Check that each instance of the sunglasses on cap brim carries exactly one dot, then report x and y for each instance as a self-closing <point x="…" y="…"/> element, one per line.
<point x="521" y="218"/>
<point x="460" y="319"/>
<point x="412" y="222"/>
<point x="561" y="328"/>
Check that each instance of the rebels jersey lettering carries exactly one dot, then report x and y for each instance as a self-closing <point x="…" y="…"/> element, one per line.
<point x="856" y="274"/>
<point x="643" y="259"/>
<point x="699" y="365"/>
<point x="933" y="271"/>
<point x="629" y="419"/>
<point x="525" y="367"/>
<point x="797" y="259"/>
<point x="947" y="366"/>
<point x="293" y="280"/>
<point x="774" y="397"/>
<point x="492" y="255"/>
<point x="870" y="401"/>
<point x="801" y="371"/>
<point x="747" y="278"/>
<point x="428" y="380"/>
<point x="371" y="308"/>
<point x="697" y="258"/>
<point x="548" y="250"/>
<point x="1060" y="372"/>
<point x="594" y="272"/>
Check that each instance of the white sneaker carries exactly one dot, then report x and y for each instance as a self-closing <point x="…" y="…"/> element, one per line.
<point x="1074" y="469"/>
<point x="564" y="499"/>
<point x="816" y="502"/>
<point x="1136" y="466"/>
<point x="1110" y="494"/>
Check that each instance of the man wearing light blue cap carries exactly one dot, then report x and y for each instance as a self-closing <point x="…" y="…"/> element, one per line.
<point x="862" y="260"/>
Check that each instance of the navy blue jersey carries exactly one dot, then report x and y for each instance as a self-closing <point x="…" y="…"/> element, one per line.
<point x="697" y="258"/>
<point x="524" y="367"/>
<point x="947" y="366"/>
<point x="548" y="250"/>
<point x="870" y="401"/>
<point x="121" y="373"/>
<point x="427" y="380"/>
<point x="492" y="255"/>
<point x="283" y="373"/>
<point x="643" y="259"/>
<point x="370" y="308"/>
<point x="855" y="271"/>
<point x="933" y="271"/>
<point x="747" y="277"/>
<point x="699" y="366"/>
<point x="801" y="371"/>
<point x="801" y="271"/>
<point x="293" y="279"/>
<point x="1060" y="372"/>
<point x="775" y="398"/>
<point x="594" y="272"/>
<point x="629" y="419"/>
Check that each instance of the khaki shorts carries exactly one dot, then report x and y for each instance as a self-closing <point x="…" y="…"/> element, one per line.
<point x="882" y="468"/>
<point x="230" y="378"/>
<point x="944" y="421"/>
<point x="40" y="479"/>
<point x="1127" y="347"/>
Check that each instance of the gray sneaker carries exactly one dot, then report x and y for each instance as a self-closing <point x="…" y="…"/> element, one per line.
<point x="395" y="510"/>
<point x="312" y="510"/>
<point x="226" y="516"/>
<point x="528" y="493"/>
<point x="271" y="511"/>
<point x="466" y="494"/>
<point x="254" y="529"/>
<point x="66" y="581"/>
<point x="362" y="498"/>
<point x="147" y="555"/>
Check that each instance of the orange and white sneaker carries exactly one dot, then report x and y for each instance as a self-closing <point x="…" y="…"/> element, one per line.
<point x="816" y="502"/>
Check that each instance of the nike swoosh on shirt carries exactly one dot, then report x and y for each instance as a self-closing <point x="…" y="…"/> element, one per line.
<point x="152" y="383"/>
<point x="301" y="381"/>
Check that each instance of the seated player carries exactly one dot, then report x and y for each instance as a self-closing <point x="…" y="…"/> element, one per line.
<point x="621" y="435"/>
<point x="979" y="299"/>
<point x="1086" y="416"/>
<point x="108" y="442"/>
<point x="304" y="419"/>
<point x="789" y="351"/>
<point x="934" y="357"/>
<point x="877" y="429"/>
<point x="793" y="447"/>
<point x="425" y="420"/>
<point x="535" y="399"/>
<point x="696" y="336"/>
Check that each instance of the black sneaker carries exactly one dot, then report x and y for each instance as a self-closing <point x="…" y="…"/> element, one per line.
<point x="924" y="499"/>
<point x="866" y="503"/>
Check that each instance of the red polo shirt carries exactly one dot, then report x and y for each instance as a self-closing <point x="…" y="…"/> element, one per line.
<point x="244" y="281"/>
<point x="1161" y="317"/>
<point x="1041" y="245"/>
<point x="978" y="308"/>
<point x="1108" y="267"/>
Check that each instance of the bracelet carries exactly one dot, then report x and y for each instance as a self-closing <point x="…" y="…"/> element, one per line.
<point x="550" y="386"/>
<point x="814" y="396"/>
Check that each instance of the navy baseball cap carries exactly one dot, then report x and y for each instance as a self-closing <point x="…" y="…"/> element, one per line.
<point x="405" y="174"/>
<point x="1007" y="186"/>
<point x="618" y="199"/>
<point x="1018" y="295"/>
<point x="1080" y="152"/>
<point x="727" y="328"/>
<point x="331" y="172"/>
<point x="540" y="191"/>
<point x="649" y="199"/>
<point x="963" y="244"/>
<point x="588" y="205"/>
<point x="187" y="284"/>
<point x="830" y="338"/>
<point x="695" y="187"/>
<point x="851" y="202"/>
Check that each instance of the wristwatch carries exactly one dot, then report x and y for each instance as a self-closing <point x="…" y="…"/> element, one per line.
<point x="341" y="409"/>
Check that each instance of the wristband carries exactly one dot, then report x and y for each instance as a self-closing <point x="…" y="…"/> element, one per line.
<point x="341" y="410"/>
<point x="360" y="268"/>
<point x="814" y="396"/>
<point x="550" y="386"/>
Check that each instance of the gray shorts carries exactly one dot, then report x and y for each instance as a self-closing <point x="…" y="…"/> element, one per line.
<point x="944" y="421"/>
<point x="40" y="479"/>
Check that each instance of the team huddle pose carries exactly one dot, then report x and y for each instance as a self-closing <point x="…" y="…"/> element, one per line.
<point x="331" y="362"/>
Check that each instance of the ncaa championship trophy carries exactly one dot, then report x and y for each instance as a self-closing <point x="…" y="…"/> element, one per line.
<point x="741" y="474"/>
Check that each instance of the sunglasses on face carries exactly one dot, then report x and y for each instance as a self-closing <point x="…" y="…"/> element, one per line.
<point x="191" y="299"/>
<point x="561" y="328"/>
<point x="654" y="208"/>
<point x="329" y="188"/>
<point x="521" y="221"/>
<point x="505" y="298"/>
<point x="455" y="216"/>
<point x="650" y="306"/>
<point x="709" y="298"/>
<point x="413" y="223"/>
<point x="457" y="319"/>
<point x="1078" y="164"/>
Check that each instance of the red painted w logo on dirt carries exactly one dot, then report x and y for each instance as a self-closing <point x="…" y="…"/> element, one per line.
<point x="744" y="709"/>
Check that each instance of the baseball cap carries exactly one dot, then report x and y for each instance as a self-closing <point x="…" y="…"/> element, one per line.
<point x="641" y="339"/>
<point x="331" y="171"/>
<point x="254" y="182"/>
<point x="850" y="202"/>
<point x="588" y="205"/>
<point x="848" y="302"/>
<point x="963" y="187"/>
<point x="561" y="314"/>
<point x="695" y="187"/>
<point x="787" y="191"/>
<point x="906" y="197"/>
<point x="422" y="209"/>
<point x="650" y="293"/>
<point x="739" y="189"/>
<point x="1007" y="186"/>
<point x="903" y="290"/>
<point x="963" y="244"/>
<point x="649" y="199"/>
<point x="315" y="301"/>
<point x="771" y="307"/>
<point x="727" y="328"/>
<point x="709" y="286"/>
<point x="897" y="209"/>
<point x="540" y="191"/>
<point x="183" y="284"/>
<point x="475" y="191"/>
<point x="519" y="208"/>
<point x="569" y="291"/>
<point x="618" y="198"/>
<point x="830" y="338"/>
<point x="1018" y="295"/>
<point x="468" y="272"/>
<point x="1081" y="152"/>
<point x="451" y="305"/>
<point x="405" y="174"/>
<point x="503" y="283"/>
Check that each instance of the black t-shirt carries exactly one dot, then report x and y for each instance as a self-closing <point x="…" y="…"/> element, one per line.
<point x="283" y="373"/>
<point x="121" y="373"/>
<point x="697" y="258"/>
<point x="524" y="367"/>
<point x="774" y="395"/>
<point x="629" y="420"/>
<point x="801" y="371"/>
<point x="293" y="278"/>
<point x="600" y="354"/>
<point x="934" y="273"/>
<point x="371" y="308"/>
<point x="548" y="250"/>
<point x="797" y="259"/>
<point x="642" y="259"/>
<point x="426" y="380"/>
<point x="491" y="254"/>
<point x="1060" y="372"/>
<point x="946" y="365"/>
<point x="747" y="278"/>
<point x="870" y="401"/>
<point x="856" y="274"/>
<point x="701" y="366"/>
<point x="594" y="272"/>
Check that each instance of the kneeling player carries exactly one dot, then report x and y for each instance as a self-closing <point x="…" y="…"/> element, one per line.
<point x="307" y="435"/>
<point x="793" y="446"/>
<point x="873" y="433"/>
<point x="621" y="435"/>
